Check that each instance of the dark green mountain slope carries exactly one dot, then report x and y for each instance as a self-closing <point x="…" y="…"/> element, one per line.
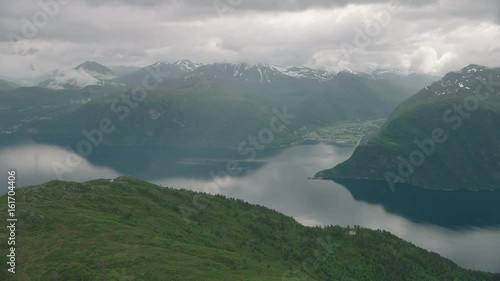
<point x="222" y="112"/>
<point x="345" y="93"/>
<point x="409" y="80"/>
<point x="7" y="85"/>
<point x="167" y="71"/>
<point x="128" y="229"/>
<point x="22" y="109"/>
<point x="445" y="137"/>
<point x="215" y="105"/>
<point x="200" y="115"/>
<point x="95" y="69"/>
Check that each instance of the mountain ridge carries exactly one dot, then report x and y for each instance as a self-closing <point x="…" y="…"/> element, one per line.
<point x="108" y="229"/>
<point x="186" y="69"/>
<point x="444" y="137"/>
<point x="97" y="70"/>
<point x="7" y="85"/>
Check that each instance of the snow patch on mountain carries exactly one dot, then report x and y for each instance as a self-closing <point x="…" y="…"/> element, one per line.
<point x="187" y="65"/>
<point x="261" y="73"/>
<point x="381" y="72"/>
<point x="96" y="70"/>
<point x="309" y="73"/>
<point x="72" y="78"/>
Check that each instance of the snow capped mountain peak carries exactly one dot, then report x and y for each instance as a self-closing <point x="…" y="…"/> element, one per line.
<point x="261" y="73"/>
<point x="159" y="63"/>
<point x="302" y="72"/>
<point x="73" y="78"/>
<point x="182" y="65"/>
<point x="93" y="73"/>
<point x="297" y="72"/>
<point x="187" y="65"/>
<point x="348" y="72"/>
<point x="473" y="68"/>
<point x="96" y="70"/>
<point x="270" y="68"/>
<point x="463" y="82"/>
<point x="85" y="74"/>
<point x="382" y="71"/>
<point x="278" y="68"/>
<point x="183" y="62"/>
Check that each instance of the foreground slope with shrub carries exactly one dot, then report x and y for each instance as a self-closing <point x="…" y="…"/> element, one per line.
<point x="128" y="229"/>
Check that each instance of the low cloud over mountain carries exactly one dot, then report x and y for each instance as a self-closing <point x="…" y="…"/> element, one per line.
<point x="330" y="35"/>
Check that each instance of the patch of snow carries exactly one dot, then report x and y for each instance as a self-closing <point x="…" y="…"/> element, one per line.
<point x="75" y="78"/>
<point x="261" y="76"/>
<point x="159" y="63"/>
<point x="392" y="71"/>
<point x="187" y="65"/>
<point x="278" y="68"/>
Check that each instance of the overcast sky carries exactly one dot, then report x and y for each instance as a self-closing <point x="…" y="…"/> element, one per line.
<point x="433" y="36"/>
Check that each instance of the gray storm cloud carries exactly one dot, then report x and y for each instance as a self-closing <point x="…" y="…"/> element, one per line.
<point x="434" y="36"/>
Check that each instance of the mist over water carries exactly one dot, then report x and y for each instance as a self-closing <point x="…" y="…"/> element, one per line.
<point x="450" y="224"/>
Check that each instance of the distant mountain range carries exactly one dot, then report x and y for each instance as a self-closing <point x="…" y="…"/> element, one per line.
<point x="167" y="71"/>
<point x="188" y="70"/>
<point x="212" y="105"/>
<point x="447" y="136"/>
<point x="122" y="70"/>
<point x="222" y="105"/>
<point x="259" y="73"/>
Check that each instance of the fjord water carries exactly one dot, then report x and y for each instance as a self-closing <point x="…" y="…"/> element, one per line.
<point x="462" y="226"/>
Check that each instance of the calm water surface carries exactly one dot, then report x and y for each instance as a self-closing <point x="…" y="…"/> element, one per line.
<point x="462" y="226"/>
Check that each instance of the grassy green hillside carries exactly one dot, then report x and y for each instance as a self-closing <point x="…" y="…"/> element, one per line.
<point x="132" y="230"/>
<point x="467" y="154"/>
